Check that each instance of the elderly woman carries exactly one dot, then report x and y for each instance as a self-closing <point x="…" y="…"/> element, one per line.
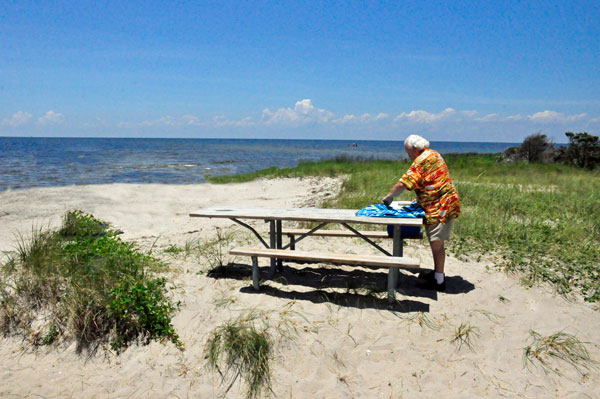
<point x="428" y="177"/>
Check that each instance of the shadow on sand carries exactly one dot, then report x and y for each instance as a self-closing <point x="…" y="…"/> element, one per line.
<point x="356" y="288"/>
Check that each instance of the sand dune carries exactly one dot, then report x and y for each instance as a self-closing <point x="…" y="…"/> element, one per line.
<point x="337" y="337"/>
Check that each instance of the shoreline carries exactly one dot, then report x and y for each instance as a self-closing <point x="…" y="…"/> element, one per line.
<point x="342" y="344"/>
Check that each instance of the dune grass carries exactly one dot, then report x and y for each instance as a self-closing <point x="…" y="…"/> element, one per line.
<point x="546" y="350"/>
<point x="83" y="283"/>
<point x="243" y="348"/>
<point x="541" y="220"/>
<point x="237" y="349"/>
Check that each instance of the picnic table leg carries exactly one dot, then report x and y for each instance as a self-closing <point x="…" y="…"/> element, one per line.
<point x="279" y="245"/>
<point x="255" y="278"/>
<point x="393" y="273"/>
<point x="273" y="245"/>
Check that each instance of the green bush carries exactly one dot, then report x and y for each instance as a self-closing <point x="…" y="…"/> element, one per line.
<point x="90" y="286"/>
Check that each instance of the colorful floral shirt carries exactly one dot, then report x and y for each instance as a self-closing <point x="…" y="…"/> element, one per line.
<point x="429" y="178"/>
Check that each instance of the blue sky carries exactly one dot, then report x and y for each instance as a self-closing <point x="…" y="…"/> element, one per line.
<point x="461" y="71"/>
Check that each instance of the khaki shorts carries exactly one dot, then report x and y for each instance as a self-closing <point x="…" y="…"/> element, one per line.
<point x="440" y="231"/>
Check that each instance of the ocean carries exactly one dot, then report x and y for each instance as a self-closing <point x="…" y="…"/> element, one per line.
<point x="27" y="162"/>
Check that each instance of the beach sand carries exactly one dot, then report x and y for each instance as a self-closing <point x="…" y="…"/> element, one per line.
<point x="333" y="333"/>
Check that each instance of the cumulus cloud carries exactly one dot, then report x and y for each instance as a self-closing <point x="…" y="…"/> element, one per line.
<point x="469" y="123"/>
<point x="451" y="115"/>
<point x="555" y="117"/>
<point x="424" y="117"/>
<point x="361" y="119"/>
<point x="17" y="119"/>
<point x="51" y="118"/>
<point x="304" y="112"/>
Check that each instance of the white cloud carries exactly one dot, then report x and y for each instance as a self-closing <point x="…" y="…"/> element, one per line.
<point x="464" y="124"/>
<point x="555" y="117"/>
<point x="345" y="119"/>
<point x="220" y="121"/>
<point x="515" y="118"/>
<point x="420" y="116"/>
<point x="18" y="119"/>
<point x="365" y="118"/>
<point x="188" y="120"/>
<point x="304" y="112"/>
<point x="489" y="118"/>
<point x="51" y="118"/>
<point x="170" y="121"/>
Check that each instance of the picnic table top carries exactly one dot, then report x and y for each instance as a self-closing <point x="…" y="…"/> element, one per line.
<point x="301" y="214"/>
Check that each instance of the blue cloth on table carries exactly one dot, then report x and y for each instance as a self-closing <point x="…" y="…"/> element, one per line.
<point x="413" y="210"/>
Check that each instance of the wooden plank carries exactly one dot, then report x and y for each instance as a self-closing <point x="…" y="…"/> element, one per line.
<point x="303" y="215"/>
<point x="346" y="259"/>
<point x="337" y="233"/>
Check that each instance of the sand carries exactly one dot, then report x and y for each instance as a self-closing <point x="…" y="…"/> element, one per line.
<point x="333" y="332"/>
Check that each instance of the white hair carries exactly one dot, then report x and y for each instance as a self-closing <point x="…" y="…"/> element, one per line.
<point x="415" y="141"/>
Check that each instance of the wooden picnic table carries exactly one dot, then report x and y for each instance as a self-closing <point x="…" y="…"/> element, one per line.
<point x="320" y="216"/>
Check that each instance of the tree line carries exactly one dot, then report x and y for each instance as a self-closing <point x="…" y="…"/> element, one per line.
<point x="583" y="150"/>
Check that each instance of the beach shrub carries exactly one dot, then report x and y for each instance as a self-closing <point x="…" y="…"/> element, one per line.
<point x="82" y="282"/>
<point x="536" y="148"/>
<point x="583" y="150"/>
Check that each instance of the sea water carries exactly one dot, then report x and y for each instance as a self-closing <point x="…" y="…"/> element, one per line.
<point x="41" y="162"/>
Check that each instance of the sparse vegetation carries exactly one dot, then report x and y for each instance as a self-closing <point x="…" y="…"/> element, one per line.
<point x="83" y="283"/>
<point x="545" y="350"/>
<point x="215" y="250"/>
<point x="464" y="335"/>
<point x="211" y="252"/>
<point x="424" y="320"/>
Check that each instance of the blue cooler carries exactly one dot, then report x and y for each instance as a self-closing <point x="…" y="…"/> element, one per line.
<point x="407" y="231"/>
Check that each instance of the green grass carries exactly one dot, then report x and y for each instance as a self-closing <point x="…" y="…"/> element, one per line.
<point x="541" y="220"/>
<point x="334" y="167"/>
<point x="83" y="283"/>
